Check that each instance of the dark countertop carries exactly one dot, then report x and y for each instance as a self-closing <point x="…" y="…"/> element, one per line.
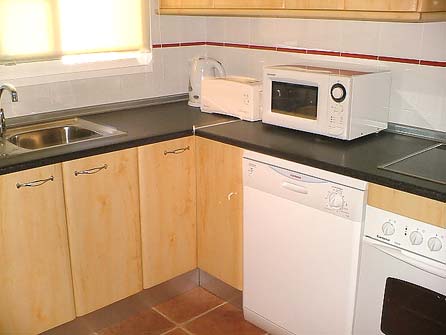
<point x="358" y="158"/>
<point x="151" y="124"/>
<point x="143" y="125"/>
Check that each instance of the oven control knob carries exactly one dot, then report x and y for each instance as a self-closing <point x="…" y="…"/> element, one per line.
<point x="388" y="228"/>
<point x="416" y="238"/>
<point x="434" y="244"/>
<point x="335" y="200"/>
<point x="338" y="92"/>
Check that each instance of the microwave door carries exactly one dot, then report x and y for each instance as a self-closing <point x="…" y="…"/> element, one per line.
<point x="297" y="104"/>
<point x="295" y="100"/>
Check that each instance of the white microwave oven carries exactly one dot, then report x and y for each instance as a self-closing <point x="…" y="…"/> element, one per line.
<point x="344" y="104"/>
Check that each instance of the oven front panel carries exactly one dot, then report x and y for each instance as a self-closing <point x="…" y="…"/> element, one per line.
<point x="396" y="298"/>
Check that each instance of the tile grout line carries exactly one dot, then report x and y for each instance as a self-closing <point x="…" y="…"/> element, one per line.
<point x="182" y="324"/>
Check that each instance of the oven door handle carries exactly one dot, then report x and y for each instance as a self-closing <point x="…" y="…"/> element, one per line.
<point x="409" y="259"/>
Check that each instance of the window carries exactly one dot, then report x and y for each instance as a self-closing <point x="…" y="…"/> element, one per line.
<point x="71" y="31"/>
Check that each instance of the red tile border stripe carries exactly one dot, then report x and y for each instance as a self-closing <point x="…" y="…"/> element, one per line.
<point x="191" y="44"/>
<point x="236" y="45"/>
<point x="433" y="63"/>
<point x="262" y="47"/>
<point x="305" y="51"/>
<point x="361" y="56"/>
<point x="323" y="52"/>
<point x="291" y="50"/>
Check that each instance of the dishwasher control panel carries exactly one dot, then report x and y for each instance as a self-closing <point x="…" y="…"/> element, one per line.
<point x="309" y="190"/>
<point x="405" y="233"/>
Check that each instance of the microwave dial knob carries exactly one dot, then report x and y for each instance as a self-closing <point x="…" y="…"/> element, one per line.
<point x="434" y="244"/>
<point x="338" y="92"/>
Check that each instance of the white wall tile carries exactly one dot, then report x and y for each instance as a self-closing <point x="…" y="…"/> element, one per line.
<point x="193" y="29"/>
<point x="434" y="41"/>
<point x="237" y="30"/>
<point x="215" y="29"/>
<point x="400" y="40"/>
<point x="170" y="28"/>
<point x="360" y="37"/>
<point x="290" y="32"/>
<point x="322" y="35"/>
<point x="264" y="31"/>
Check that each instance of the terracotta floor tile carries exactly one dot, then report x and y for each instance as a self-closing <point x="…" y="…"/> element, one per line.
<point x="188" y="305"/>
<point x="225" y="320"/>
<point x="145" y="323"/>
<point x="176" y="331"/>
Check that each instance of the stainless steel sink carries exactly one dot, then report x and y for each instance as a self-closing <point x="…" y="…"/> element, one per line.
<point x="52" y="134"/>
<point x="44" y="138"/>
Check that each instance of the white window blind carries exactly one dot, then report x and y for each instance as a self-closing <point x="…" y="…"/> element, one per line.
<point x="33" y="30"/>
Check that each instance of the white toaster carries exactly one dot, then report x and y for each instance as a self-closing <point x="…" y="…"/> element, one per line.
<point x="235" y="96"/>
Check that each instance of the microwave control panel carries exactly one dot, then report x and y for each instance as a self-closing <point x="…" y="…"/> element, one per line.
<point x="338" y="103"/>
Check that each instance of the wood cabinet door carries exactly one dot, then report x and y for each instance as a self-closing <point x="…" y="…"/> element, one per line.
<point x="249" y="4"/>
<point x="220" y="210"/>
<point x="314" y="4"/>
<point x="36" y="291"/>
<point x="168" y="209"/>
<point x="382" y="5"/>
<point x="186" y="3"/>
<point x="102" y="200"/>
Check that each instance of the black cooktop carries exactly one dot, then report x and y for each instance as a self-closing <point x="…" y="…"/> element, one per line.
<point x="429" y="164"/>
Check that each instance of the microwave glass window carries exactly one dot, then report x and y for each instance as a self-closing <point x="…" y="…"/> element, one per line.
<point x="294" y="100"/>
<point x="409" y="309"/>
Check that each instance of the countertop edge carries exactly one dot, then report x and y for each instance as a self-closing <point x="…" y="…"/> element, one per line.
<point x="369" y="177"/>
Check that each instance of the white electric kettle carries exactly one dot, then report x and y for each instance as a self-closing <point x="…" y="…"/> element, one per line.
<point x="201" y="67"/>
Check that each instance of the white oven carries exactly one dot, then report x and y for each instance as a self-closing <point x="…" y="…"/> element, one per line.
<point x="402" y="281"/>
<point x="344" y="104"/>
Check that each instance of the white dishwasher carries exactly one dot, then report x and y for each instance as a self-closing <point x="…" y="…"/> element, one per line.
<point x="302" y="233"/>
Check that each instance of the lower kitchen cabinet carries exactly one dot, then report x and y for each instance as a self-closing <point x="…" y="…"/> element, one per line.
<point x="220" y="210"/>
<point x="102" y="207"/>
<point x="36" y="291"/>
<point x="168" y="209"/>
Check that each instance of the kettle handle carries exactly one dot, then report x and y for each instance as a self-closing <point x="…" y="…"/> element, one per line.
<point x="218" y="67"/>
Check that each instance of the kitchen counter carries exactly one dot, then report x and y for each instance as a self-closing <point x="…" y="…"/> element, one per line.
<point x="151" y="124"/>
<point x="358" y="158"/>
<point x="143" y="125"/>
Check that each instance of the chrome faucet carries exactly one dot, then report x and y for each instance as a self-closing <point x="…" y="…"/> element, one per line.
<point x="14" y="98"/>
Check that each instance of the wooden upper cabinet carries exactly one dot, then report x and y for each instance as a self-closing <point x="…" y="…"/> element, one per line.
<point x="314" y="4"/>
<point x="431" y="5"/>
<point x="36" y="291"/>
<point x="270" y="4"/>
<point x="102" y="205"/>
<point x="382" y="5"/>
<point x="407" y="204"/>
<point x="220" y="210"/>
<point x="168" y="209"/>
<point x="186" y="3"/>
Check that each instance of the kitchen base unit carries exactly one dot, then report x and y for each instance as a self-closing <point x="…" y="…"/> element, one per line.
<point x="302" y="233"/>
<point x="402" y="278"/>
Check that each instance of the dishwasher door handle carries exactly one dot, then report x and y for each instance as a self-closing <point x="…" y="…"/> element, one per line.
<point x="294" y="187"/>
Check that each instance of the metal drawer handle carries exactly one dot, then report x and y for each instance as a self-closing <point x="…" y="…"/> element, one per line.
<point x="91" y="171"/>
<point x="35" y="183"/>
<point x="176" y="151"/>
